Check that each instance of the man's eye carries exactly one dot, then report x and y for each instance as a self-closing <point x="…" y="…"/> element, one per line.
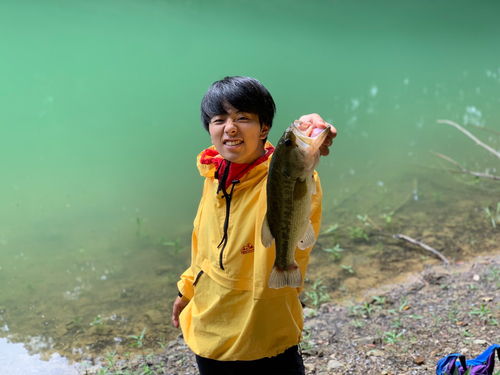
<point x="217" y="121"/>
<point x="243" y="118"/>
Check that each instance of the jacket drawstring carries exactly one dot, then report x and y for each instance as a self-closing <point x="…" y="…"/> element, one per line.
<point x="228" y="197"/>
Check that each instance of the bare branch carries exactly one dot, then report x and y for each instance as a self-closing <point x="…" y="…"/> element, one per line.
<point x="468" y="134"/>
<point x="464" y="170"/>
<point x="450" y="160"/>
<point x="492" y="131"/>
<point x="422" y="245"/>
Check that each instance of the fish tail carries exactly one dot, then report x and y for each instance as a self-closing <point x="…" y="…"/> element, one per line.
<point x="290" y="276"/>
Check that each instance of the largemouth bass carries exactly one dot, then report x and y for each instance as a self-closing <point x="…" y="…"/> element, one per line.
<point x="290" y="185"/>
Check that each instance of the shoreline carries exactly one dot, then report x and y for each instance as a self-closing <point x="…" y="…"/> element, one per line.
<point x="404" y="329"/>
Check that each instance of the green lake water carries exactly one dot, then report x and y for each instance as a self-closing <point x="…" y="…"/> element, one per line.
<point x="100" y="128"/>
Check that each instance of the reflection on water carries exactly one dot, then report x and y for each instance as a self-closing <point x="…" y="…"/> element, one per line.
<point x="15" y="360"/>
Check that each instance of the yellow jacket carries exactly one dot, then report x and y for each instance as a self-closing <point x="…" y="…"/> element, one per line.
<point x="232" y="314"/>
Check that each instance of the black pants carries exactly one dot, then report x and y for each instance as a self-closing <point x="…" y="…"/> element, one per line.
<point x="287" y="363"/>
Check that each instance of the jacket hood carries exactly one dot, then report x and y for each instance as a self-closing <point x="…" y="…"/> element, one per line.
<point x="209" y="161"/>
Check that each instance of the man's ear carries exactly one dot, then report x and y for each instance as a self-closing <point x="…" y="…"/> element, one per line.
<point x="264" y="131"/>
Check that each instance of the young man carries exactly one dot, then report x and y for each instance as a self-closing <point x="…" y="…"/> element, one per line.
<point x="231" y="320"/>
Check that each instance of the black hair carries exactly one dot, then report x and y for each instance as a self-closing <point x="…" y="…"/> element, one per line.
<point x="243" y="93"/>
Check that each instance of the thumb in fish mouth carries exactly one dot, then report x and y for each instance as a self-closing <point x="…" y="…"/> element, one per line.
<point x="309" y="129"/>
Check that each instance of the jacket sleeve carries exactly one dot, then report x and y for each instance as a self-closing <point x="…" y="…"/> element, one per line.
<point x="185" y="284"/>
<point x="302" y="256"/>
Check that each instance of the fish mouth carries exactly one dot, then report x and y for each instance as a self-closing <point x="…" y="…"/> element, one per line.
<point x="311" y="141"/>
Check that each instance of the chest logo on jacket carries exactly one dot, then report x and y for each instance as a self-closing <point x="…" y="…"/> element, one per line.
<point x="248" y="248"/>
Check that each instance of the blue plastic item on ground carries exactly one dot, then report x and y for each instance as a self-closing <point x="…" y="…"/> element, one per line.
<point x="483" y="364"/>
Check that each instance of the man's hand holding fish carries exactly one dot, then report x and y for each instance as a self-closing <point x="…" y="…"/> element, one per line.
<point x="314" y="124"/>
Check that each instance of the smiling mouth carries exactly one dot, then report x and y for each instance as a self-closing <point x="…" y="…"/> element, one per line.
<point x="233" y="143"/>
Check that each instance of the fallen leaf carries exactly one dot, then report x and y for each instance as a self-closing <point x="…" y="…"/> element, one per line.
<point x="419" y="360"/>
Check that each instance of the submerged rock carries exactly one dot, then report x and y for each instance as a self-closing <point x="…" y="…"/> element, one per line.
<point x="155" y="317"/>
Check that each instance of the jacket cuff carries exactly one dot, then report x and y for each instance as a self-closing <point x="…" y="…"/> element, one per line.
<point x="180" y="294"/>
<point x="185" y="299"/>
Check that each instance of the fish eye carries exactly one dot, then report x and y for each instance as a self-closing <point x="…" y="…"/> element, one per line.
<point x="288" y="142"/>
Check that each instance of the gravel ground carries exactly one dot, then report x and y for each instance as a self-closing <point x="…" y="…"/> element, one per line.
<point x="397" y="329"/>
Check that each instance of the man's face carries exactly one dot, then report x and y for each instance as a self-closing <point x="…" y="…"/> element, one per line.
<point x="238" y="136"/>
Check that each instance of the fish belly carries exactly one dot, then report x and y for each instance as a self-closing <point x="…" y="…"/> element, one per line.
<point x="289" y="208"/>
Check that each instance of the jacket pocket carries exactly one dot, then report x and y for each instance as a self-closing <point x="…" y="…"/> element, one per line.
<point x="197" y="277"/>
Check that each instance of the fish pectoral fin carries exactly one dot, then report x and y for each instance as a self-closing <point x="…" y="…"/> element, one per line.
<point x="308" y="239"/>
<point x="266" y="237"/>
<point x="313" y="185"/>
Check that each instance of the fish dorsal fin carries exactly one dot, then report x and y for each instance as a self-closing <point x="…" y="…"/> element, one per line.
<point x="308" y="239"/>
<point x="266" y="236"/>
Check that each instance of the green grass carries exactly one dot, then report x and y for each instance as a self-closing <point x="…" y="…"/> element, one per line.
<point x="493" y="217"/>
<point x="358" y="234"/>
<point x="318" y="294"/>
<point x="391" y="337"/>
<point x="139" y="364"/>
<point x="482" y="312"/>
<point x="334" y="252"/>
<point x="346" y="268"/>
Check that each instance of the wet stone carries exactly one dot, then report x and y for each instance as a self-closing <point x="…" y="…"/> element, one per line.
<point x="155" y="317"/>
<point x="324" y="333"/>
<point x="351" y="283"/>
<point x="171" y="343"/>
<point x="310" y="367"/>
<point x="367" y="340"/>
<point x="100" y="330"/>
<point x="333" y="364"/>
<point x="310" y="352"/>
<point x="61" y="330"/>
<point x="326" y="308"/>
<point x="376" y="353"/>
<point x="165" y="270"/>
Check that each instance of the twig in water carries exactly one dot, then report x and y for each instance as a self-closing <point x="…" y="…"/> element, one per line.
<point x="484" y="145"/>
<point x="422" y="245"/>
<point x="373" y="224"/>
<point x="413" y="194"/>
<point x="463" y="169"/>
<point x="485" y="129"/>
<point x="407" y="199"/>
